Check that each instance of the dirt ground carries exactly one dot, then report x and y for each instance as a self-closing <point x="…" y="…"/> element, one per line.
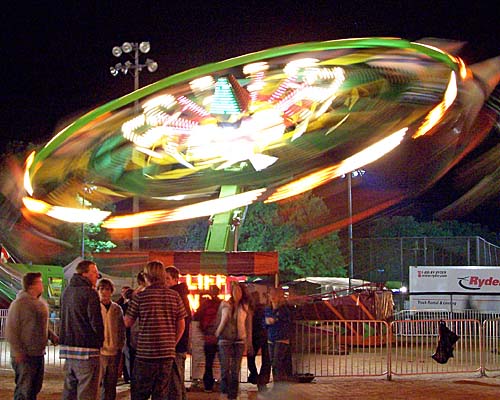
<point x="422" y="388"/>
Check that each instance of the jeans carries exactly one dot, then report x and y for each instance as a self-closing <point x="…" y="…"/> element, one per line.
<point x="208" y="376"/>
<point x="262" y="377"/>
<point x="132" y="354"/>
<point x="109" y="376"/>
<point x="281" y="361"/>
<point x="29" y="377"/>
<point x="81" y="380"/>
<point x="151" y="378"/>
<point x="230" y="355"/>
<point x="177" y="390"/>
<point x="127" y="370"/>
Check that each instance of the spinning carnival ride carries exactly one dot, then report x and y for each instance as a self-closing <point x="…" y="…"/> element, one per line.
<point x="265" y="127"/>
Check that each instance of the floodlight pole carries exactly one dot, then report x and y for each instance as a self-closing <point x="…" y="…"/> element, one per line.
<point x="137" y="67"/>
<point x="83" y="240"/>
<point x="83" y="224"/>
<point x="137" y="70"/>
<point x="135" y="199"/>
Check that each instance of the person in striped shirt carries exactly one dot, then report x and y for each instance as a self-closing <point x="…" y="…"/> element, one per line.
<point x="160" y="313"/>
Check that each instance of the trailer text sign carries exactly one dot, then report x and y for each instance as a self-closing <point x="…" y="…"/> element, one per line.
<point x="454" y="288"/>
<point x="470" y="280"/>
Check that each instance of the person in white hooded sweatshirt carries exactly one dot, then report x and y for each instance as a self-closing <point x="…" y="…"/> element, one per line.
<point x="114" y="339"/>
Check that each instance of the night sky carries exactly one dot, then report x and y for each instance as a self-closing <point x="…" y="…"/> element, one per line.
<point x="56" y="57"/>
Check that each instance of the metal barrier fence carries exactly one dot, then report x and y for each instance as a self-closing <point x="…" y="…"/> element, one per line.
<point x="52" y="360"/>
<point x="491" y="343"/>
<point x="367" y="348"/>
<point x="340" y="348"/>
<point x="414" y="342"/>
<point x="403" y="347"/>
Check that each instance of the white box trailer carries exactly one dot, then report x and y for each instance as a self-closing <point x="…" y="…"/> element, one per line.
<point x="454" y="288"/>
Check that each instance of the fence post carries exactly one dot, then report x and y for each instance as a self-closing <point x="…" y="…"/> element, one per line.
<point x="478" y="253"/>
<point x="482" y="348"/>
<point x="389" y="350"/>
<point x="468" y="251"/>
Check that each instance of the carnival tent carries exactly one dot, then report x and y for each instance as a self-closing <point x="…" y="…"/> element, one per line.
<point x="127" y="263"/>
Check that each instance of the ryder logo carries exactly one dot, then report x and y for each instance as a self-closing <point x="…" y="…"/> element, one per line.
<point x="476" y="283"/>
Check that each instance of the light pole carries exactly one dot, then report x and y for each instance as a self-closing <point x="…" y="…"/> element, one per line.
<point x="350" y="175"/>
<point x="134" y="49"/>
<point x="83" y="223"/>
<point x="87" y="190"/>
<point x="349" y="229"/>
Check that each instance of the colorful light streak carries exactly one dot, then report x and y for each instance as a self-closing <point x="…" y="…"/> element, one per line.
<point x="197" y="210"/>
<point x="66" y="214"/>
<point x="437" y="113"/>
<point x="359" y="160"/>
<point x="27" y="181"/>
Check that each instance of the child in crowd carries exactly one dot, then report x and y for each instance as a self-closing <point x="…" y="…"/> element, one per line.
<point x="114" y="339"/>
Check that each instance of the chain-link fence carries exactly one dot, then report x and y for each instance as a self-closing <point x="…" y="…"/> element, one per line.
<point x="389" y="259"/>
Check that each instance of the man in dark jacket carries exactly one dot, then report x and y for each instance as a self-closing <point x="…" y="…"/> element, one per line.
<point x="82" y="333"/>
<point x="177" y="388"/>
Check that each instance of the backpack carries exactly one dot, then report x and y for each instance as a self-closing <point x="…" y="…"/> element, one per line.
<point x="208" y="319"/>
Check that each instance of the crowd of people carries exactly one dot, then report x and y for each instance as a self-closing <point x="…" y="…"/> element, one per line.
<point x="145" y="335"/>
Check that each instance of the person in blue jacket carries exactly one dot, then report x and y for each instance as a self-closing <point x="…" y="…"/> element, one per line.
<point x="278" y="319"/>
